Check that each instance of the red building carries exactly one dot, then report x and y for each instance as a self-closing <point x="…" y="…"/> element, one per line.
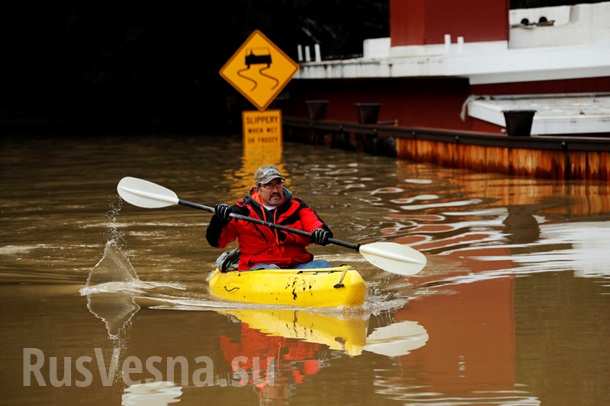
<point x="458" y="65"/>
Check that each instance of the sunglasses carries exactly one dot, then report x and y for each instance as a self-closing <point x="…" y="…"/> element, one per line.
<point x="272" y="185"/>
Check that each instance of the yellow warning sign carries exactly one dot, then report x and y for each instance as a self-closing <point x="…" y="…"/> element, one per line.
<point x="262" y="130"/>
<point x="259" y="70"/>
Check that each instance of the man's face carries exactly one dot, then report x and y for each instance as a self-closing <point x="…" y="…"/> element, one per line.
<point x="272" y="193"/>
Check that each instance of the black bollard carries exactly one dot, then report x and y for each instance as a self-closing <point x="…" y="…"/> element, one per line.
<point x="519" y="122"/>
<point x="368" y="113"/>
<point x="316" y="109"/>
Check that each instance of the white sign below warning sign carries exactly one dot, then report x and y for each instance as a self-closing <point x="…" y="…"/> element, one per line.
<point x="262" y="129"/>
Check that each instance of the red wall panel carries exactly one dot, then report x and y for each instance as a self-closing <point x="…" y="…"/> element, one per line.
<point x="414" y="102"/>
<point x="421" y="22"/>
<point x="407" y="22"/>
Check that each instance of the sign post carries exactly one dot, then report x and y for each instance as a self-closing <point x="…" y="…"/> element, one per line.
<point x="259" y="70"/>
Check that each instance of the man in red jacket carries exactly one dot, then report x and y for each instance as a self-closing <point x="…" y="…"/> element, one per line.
<point x="263" y="247"/>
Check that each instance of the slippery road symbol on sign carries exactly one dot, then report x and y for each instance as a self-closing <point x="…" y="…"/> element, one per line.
<point x="261" y="58"/>
<point x="259" y="70"/>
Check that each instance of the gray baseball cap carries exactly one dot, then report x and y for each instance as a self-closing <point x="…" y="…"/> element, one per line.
<point x="266" y="174"/>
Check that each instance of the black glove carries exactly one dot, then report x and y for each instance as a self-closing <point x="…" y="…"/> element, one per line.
<point x="320" y="236"/>
<point x="223" y="211"/>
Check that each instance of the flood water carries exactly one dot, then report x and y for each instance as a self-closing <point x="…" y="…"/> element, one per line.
<point x="512" y="308"/>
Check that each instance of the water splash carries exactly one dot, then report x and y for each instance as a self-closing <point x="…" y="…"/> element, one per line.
<point x="115" y="274"/>
<point x="111" y="288"/>
<point x="114" y="232"/>
<point x="106" y="299"/>
<point x="112" y="267"/>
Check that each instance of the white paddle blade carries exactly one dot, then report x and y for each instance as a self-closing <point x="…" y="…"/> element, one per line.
<point x="394" y="258"/>
<point x="143" y="193"/>
<point x="397" y="339"/>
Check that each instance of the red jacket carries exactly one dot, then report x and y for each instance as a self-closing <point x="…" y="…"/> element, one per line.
<point x="261" y="244"/>
<point x="301" y="358"/>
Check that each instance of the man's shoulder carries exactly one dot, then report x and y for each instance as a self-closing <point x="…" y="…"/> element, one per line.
<point x="300" y="202"/>
<point x="244" y="201"/>
<point x="241" y="205"/>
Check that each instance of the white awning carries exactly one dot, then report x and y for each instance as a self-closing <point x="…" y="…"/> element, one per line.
<point x="555" y="113"/>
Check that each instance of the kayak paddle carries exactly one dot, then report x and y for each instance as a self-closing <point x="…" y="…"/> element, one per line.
<point x="388" y="256"/>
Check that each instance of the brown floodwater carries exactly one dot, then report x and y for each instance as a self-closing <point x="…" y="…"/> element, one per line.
<point x="106" y="303"/>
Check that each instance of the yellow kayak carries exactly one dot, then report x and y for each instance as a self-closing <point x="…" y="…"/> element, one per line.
<point x="324" y="287"/>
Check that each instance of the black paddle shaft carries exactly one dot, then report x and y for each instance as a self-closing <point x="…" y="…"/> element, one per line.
<point x="265" y="223"/>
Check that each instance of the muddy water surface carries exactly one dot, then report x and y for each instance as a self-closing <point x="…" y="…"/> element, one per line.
<point x="103" y="303"/>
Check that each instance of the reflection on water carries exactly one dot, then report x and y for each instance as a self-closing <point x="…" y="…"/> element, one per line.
<point x="335" y="332"/>
<point x="512" y="308"/>
<point x="512" y="227"/>
<point x="397" y="339"/>
<point x="253" y="157"/>
<point x="151" y="394"/>
<point x="580" y="247"/>
<point x="290" y="347"/>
